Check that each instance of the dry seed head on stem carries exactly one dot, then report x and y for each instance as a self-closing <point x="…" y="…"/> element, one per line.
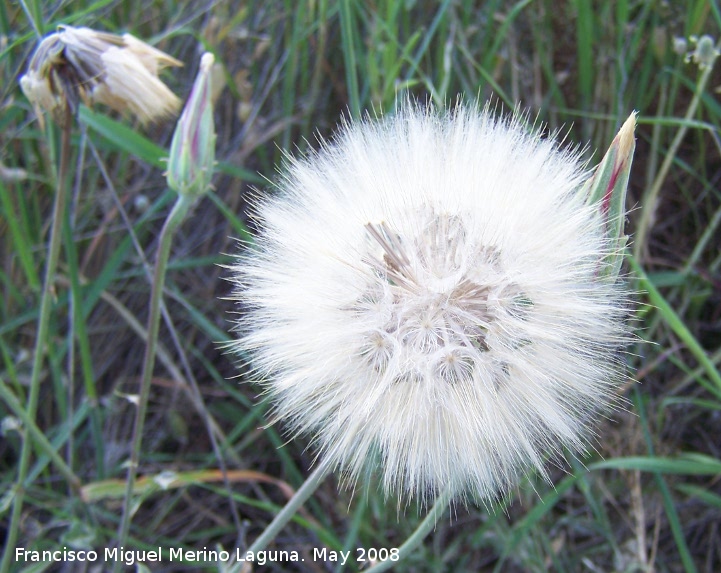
<point x="81" y="64"/>
<point x="428" y="295"/>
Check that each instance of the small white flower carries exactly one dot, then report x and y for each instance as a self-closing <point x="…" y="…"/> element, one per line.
<point x="705" y="53"/>
<point x="680" y="45"/>
<point x="427" y="293"/>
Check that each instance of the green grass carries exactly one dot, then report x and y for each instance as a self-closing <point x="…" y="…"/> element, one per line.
<point x="648" y="499"/>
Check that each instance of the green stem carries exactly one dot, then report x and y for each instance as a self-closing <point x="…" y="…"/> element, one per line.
<point x="175" y="218"/>
<point x="288" y="511"/>
<point x="42" y="334"/>
<point x="648" y="203"/>
<point x="429" y="523"/>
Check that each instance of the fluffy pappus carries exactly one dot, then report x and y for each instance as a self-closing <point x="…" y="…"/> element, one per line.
<point x="425" y="297"/>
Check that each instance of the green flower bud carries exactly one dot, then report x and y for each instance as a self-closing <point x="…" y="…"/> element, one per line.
<point x="192" y="153"/>
<point x="607" y="189"/>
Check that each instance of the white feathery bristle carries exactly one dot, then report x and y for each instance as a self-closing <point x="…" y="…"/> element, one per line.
<point x="425" y="294"/>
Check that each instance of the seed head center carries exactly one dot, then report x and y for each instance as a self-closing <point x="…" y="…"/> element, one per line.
<point x="428" y="301"/>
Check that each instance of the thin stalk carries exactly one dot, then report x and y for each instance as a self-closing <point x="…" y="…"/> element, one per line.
<point x="288" y="511"/>
<point x="429" y="523"/>
<point x="175" y="218"/>
<point x="214" y="430"/>
<point x="42" y="334"/>
<point x="649" y="200"/>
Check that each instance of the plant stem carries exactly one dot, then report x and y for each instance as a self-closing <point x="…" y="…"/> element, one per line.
<point x="42" y="334"/>
<point x="175" y="218"/>
<point x="439" y="507"/>
<point x="288" y="511"/>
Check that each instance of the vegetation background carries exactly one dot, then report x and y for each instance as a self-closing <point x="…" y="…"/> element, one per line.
<point x="648" y="500"/>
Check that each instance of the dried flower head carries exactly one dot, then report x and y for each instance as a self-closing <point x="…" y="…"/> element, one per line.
<point x="80" y="64"/>
<point x="431" y="292"/>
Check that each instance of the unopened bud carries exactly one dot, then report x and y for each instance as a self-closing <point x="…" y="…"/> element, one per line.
<point x="192" y="152"/>
<point x="607" y="189"/>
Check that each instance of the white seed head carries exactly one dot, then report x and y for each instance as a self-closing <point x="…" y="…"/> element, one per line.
<point x="426" y="294"/>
